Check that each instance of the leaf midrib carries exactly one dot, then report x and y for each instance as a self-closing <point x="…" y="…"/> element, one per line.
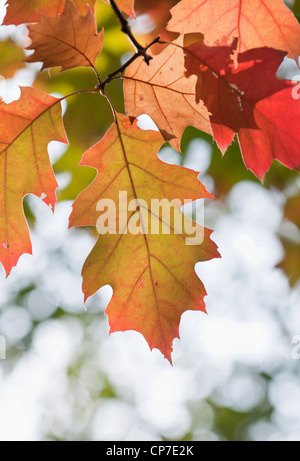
<point x="127" y="163"/>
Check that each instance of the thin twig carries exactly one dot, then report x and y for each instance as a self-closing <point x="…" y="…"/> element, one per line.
<point x="121" y="69"/>
<point x="125" y="27"/>
<point x="141" y="51"/>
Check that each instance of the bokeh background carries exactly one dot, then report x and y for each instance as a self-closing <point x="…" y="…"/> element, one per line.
<point x="236" y="371"/>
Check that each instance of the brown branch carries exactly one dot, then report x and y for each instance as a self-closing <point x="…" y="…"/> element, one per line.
<point x="101" y="86"/>
<point x="125" y="27"/>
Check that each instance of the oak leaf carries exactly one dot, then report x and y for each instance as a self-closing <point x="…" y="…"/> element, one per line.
<point x="27" y="126"/>
<point x="249" y="100"/>
<point x="256" y="23"/>
<point x="70" y="40"/>
<point x="24" y="11"/>
<point x="163" y="92"/>
<point x="152" y="275"/>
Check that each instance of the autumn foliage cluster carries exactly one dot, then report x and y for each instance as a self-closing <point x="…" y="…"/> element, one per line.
<point x="213" y="67"/>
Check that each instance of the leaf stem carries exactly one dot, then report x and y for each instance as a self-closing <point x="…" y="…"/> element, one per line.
<point x="92" y="90"/>
<point x="97" y="75"/>
<point x="134" y="193"/>
<point x="113" y="110"/>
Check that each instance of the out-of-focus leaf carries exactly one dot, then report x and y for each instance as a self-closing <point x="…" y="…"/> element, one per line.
<point x="127" y="6"/>
<point x="291" y="261"/>
<point x="11" y="58"/>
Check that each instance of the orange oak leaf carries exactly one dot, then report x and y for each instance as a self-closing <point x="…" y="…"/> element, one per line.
<point x="256" y="23"/>
<point x="70" y="40"/>
<point x="24" y="11"/>
<point x="249" y="100"/>
<point x="152" y="273"/>
<point x="26" y="128"/>
<point x="163" y="92"/>
<point x="127" y="6"/>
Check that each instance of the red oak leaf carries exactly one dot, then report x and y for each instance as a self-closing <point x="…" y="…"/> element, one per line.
<point x="249" y="100"/>
<point x="255" y="23"/>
